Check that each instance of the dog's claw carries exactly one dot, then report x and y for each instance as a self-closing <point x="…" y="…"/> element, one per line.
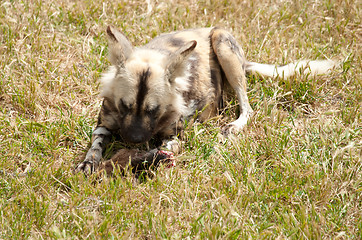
<point x="87" y="167"/>
<point x="228" y="130"/>
<point x="235" y="127"/>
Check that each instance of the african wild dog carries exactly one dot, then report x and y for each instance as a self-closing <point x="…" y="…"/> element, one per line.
<point x="149" y="91"/>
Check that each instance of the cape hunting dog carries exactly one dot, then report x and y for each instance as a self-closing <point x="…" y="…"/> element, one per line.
<point x="149" y="91"/>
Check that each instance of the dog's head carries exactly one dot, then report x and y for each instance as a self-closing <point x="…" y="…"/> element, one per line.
<point x="145" y="85"/>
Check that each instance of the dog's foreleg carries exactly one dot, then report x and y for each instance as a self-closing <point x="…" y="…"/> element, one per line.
<point x="100" y="139"/>
<point x="232" y="61"/>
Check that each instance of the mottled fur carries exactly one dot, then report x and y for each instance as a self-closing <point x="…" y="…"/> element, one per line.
<point x="149" y="91"/>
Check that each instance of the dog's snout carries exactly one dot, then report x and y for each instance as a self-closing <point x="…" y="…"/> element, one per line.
<point x="136" y="133"/>
<point x="138" y="137"/>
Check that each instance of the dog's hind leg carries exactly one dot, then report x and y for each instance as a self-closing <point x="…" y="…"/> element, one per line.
<point x="232" y="61"/>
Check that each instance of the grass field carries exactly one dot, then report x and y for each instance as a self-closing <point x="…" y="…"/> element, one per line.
<point x="295" y="172"/>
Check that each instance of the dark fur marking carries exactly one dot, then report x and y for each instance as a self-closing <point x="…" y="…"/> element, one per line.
<point x="214" y="75"/>
<point x="194" y="62"/>
<point x="231" y="42"/>
<point x="152" y="113"/>
<point x="217" y="78"/>
<point x="99" y="120"/>
<point x="221" y="99"/>
<point x="233" y="45"/>
<point x="108" y="106"/>
<point x="110" y="33"/>
<point x="124" y="108"/>
<point x="142" y="89"/>
<point x="177" y="42"/>
<point x="167" y="121"/>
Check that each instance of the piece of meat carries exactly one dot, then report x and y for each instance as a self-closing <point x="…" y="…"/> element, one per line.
<point x="137" y="160"/>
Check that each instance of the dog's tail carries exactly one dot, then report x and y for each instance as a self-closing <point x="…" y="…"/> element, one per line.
<point x="303" y="67"/>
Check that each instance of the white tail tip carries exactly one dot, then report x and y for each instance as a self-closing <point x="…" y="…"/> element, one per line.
<point x="315" y="67"/>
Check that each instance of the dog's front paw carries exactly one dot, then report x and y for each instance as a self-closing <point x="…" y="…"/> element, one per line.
<point x="86" y="167"/>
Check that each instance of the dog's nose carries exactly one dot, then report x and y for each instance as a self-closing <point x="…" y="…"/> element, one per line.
<point x="137" y="138"/>
<point x="136" y="135"/>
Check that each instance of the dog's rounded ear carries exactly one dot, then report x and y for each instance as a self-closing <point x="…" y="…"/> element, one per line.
<point x="186" y="49"/>
<point x="175" y="64"/>
<point x="119" y="47"/>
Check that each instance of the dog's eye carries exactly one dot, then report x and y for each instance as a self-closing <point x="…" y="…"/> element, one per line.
<point x="152" y="111"/>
